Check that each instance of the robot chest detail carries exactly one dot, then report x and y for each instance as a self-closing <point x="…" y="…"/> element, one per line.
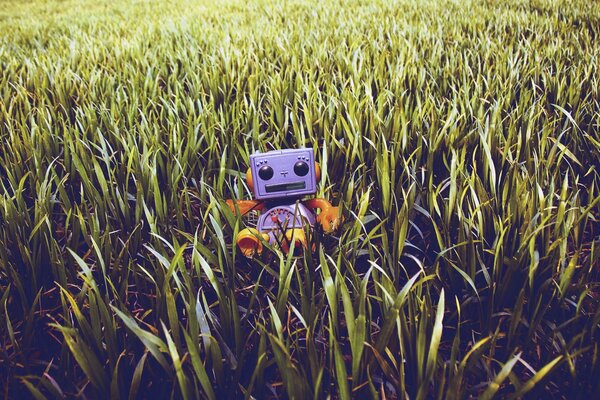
<point x="284" y="217"/>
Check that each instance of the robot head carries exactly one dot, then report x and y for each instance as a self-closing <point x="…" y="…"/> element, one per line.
<point x="283" y="173"/>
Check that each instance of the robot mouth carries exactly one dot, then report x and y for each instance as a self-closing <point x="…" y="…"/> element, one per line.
<point x="283" y="187"/>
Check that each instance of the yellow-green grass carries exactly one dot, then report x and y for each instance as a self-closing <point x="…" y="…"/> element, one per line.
<point x="461" y="140"/>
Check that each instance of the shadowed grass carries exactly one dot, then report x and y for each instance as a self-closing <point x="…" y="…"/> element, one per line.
<point x="460" y="140"/>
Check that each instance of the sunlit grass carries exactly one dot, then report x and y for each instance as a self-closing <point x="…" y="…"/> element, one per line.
<point x="459" y="138"/>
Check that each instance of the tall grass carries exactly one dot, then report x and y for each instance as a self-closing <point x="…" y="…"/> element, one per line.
<point x="460" y="139"/>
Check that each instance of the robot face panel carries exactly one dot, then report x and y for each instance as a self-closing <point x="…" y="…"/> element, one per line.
<point x="283" y="173"/>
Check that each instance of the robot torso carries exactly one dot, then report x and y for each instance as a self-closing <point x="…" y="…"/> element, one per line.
<point x="277" y="219"/>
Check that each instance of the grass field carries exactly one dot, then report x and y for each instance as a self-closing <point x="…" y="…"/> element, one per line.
<point x="461" y="140"/>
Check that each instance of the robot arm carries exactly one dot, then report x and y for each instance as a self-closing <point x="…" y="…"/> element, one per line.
<point x="248" y="240"/>
<point x="329" y="217"/>
<point x="245" y="206"/>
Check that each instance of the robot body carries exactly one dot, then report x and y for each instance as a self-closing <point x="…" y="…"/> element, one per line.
<point x="283" y="217"/>
<point x="279" y="180"/>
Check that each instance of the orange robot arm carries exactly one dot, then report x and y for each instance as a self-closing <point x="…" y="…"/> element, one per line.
<point x="329" y="217"/>
<point x="245" y="206"/>
<point x="321" y="204"/>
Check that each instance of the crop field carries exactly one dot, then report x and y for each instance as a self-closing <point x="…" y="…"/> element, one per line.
<point x="461" y="140"/>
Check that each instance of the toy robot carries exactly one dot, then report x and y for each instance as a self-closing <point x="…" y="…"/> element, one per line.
<point x="279" y="180"/>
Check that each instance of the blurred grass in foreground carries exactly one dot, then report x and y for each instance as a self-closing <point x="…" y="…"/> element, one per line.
<point x="460" y="139"/>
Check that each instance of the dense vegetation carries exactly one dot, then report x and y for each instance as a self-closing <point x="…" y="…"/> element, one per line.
<point x="460" y="139"/>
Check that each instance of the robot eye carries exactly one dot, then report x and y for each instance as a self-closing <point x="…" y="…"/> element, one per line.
<point x="265" y="172"/>
<point x="301" y="168"/>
